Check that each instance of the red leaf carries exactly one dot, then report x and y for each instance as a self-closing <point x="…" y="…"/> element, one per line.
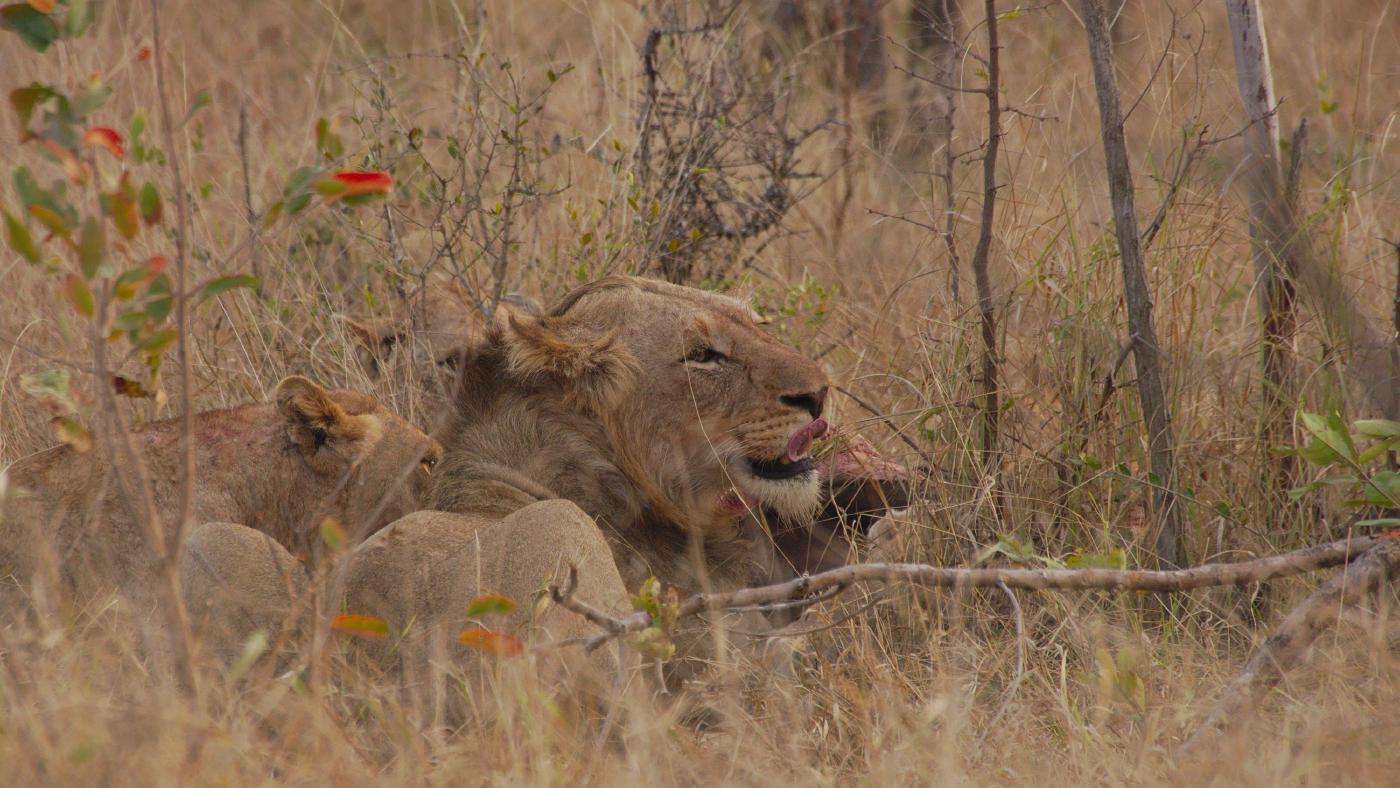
<point x="351" y="184"/>
<point x="491" y="642"/>
<point x="360" y="626"/>
<point x="105" y="137"/>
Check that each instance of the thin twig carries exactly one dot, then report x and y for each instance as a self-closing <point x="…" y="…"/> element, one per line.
<point x="991" y="408"/>
<point x="169" y="553"/>
<point x="1020" y="663"/>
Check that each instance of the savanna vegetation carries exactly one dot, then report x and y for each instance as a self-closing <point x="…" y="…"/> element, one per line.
<point x="308" y="173"/>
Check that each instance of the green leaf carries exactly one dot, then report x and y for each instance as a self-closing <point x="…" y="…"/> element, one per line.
<point x="31" y="194"/>
<point x="20" y="239"/>
<point x="1318" y="453"/>
<point x="56" y="224"/>
<point x="298" y="181"/>
<point x="158" y="342"/>
<point x="298" y="203"/>
<point x="225" y="283"/>
<point x="72" y="432"/>
<point x="34" y="29"/>
<point x="253" y="648"/>
<point x="80" y="16"/>
<point x="332" y="534"/>
<point x="1384" y="489"/>
<point x="24" y="100"/>
<point x="1378" y="428"/>
<point x="328" y="141"/>
<point x="90" y="98"/>
<point x="120" y="205"/>
<point x="158" y="308"/>
<point x="1332" y="433"/>
<point x="490" y="604"/>
<point x="91" y="245"/>
<point x="201" y="100"/>
<point x="149" y="199"/>
<point x="1113" y="559"/>
<point x="274" y="212"/>
<point x="53" y="387"/>
<point x="1380" y="522"/>
<point x="79" y="295"/>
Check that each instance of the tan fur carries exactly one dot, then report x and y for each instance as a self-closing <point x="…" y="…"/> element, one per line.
<point x="420" y="573"/>
<point x="279" y="468"/>
<point x="237" y="582"/>
<point x="605" y="402"/>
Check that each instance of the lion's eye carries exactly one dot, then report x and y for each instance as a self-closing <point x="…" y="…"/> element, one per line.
<point x="429" y="462"/>
<point x="704" y="357"/>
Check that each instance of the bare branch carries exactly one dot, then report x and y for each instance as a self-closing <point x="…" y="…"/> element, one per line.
<point x="1160" y="580"/>
<point x="169" y="553"/>
<point x="1288" y="644"/>
<point x="991" y="408"/>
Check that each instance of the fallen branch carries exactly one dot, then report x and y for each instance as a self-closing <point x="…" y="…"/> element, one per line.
<point x="1297" y="562"/>
<point x="1286" y="646"/>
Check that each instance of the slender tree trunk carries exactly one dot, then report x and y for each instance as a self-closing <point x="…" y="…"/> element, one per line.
<point x="991" y="404"/>
<point x="934" y="26"/>
<point x="1146" y="352"/>
<point x="1270" y="226"/>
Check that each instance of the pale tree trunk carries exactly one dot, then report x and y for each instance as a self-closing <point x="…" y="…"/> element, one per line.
<point x="1146" y="353"/>
<point x="1270" y="227"/>
<point x="934" y="35"/>
<point x="1283" y="249"/>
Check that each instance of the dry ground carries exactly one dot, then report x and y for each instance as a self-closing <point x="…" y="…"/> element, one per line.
<point x="920" y="689"/>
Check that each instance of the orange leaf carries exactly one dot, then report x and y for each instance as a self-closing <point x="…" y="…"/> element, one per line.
<point x="491" y="642"/>
<point x="351" y="184"/>
<point x="360" y="626"/>
<point x="105" y="137"/>
<point x="77" y="171"/>
<point x="43" y="6"/>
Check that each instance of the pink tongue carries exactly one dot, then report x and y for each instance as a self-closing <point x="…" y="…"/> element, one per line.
<point x="802" y="439"/>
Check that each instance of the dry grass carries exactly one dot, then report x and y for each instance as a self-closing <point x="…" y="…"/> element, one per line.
<point x="920" y="689"/>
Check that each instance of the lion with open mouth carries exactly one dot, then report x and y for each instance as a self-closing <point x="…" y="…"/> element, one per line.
<point x="632" y="430"/>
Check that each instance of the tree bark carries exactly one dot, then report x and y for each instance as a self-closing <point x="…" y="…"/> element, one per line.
<point x="934" y="34"/>
<point x="991" y="404"/>
<point x="811" y="589"/>
<point x="1270" y="227"/>
<point x="1146" y="352"/>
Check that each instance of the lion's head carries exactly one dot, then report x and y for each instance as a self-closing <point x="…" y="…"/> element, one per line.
<point x="364" y="464"/>
<point x="673" y="402"/>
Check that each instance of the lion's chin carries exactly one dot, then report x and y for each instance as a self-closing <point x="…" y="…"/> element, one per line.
<point x="794" y="496"/>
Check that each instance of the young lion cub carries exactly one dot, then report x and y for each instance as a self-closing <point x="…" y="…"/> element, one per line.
<point x="279" y="468"/>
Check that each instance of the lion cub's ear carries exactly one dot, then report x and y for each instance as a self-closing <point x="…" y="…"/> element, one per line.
<point x="313" y="418"/>
<point x="594" y="370"/>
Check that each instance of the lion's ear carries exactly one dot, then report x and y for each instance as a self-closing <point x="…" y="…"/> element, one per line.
<point x="313" y="419"/>
<point x="594" y="370"/>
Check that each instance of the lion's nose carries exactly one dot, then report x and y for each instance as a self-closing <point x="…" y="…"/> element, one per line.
<point x="812" y="401"/>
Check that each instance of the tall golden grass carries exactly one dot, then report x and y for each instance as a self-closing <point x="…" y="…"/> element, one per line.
<point x="919" y="688"/>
